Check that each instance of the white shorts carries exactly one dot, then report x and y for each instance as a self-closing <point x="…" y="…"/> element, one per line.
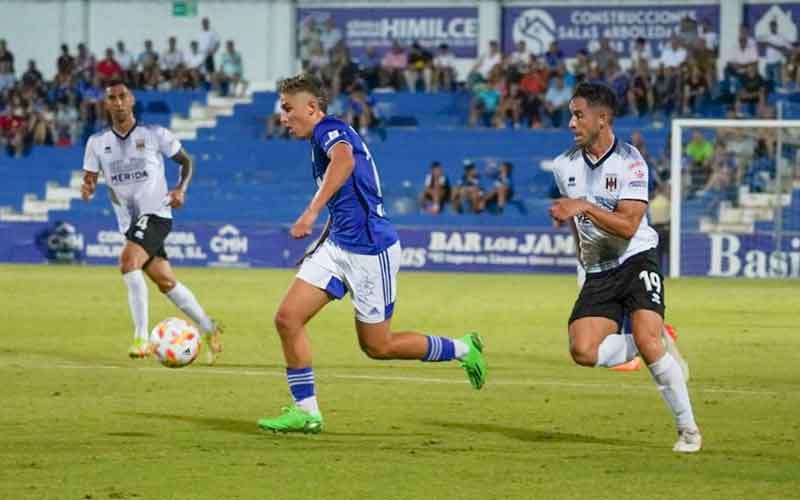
<point x="370" y="279"/>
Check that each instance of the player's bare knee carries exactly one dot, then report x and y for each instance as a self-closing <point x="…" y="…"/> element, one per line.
<point x="127" y="265"/>
<point x="377" y="351"/>
<point x="583" y="354"/>
<point x="165" y="284"/>
<point x="285" y="321"/>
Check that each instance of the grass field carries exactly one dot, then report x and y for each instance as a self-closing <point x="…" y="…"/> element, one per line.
<point x="81" y="421"/>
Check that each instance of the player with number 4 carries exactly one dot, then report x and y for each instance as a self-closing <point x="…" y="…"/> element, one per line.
<point x="604" y="187"/>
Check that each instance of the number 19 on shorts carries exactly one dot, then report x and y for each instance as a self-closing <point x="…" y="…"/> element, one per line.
<point x="652" y="283"/>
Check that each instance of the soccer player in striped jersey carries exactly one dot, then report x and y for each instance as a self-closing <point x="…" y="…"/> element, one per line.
<point x="358" y="252"/>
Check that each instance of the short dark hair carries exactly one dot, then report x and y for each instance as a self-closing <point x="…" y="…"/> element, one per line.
<point x="114" y="82"/>
<point x="306" y="83"/>
<point x="597" y="94"/>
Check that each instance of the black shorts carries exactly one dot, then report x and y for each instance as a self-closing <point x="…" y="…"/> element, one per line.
<point x="149" y="231"/>
<point x="636" y="284"/>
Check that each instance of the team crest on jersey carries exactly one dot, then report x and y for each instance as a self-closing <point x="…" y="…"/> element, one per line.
<point x="611" y="182"/>
<point x="140" y="145"/>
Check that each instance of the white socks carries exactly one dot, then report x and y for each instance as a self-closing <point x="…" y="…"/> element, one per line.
<point x="309" y="405"/>
<point x="615" y="350"/>
<point x="460" y="349"/>
<point x="137" y="300"/>
<point x="186" y="302"/>
<point x="669" y="380"/>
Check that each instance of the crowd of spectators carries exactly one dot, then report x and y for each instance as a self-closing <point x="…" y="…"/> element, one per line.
<point x="476" y="192"/>
<point x="35" y="110"/>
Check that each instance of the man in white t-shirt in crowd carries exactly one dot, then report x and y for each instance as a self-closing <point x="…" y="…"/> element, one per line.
<point x="520" y="58"/>
<point x="208" y="43"/>
<point x="485" y="63"/>
<point x="172" y="63"/>
<point x="126" y="61"/>
<point x="776" y="47"/>
<point x="444" y="69"/>
<point x="640" y="51"/>
<point x="743" y="55"/>
<point x="195" y="60"/>
<point x="673" y="55"/>
<point x="330" y="36"/>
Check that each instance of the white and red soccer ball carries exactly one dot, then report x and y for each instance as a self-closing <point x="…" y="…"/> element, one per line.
<point x="175" y="342"/>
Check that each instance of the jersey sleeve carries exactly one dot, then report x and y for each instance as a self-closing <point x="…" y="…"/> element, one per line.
<point x="635" y="180"/>
<point x="557" y="177"/>
<point x="168" y="144"/>
<point x="90" y="161"/>
<point x="328" y="135"/>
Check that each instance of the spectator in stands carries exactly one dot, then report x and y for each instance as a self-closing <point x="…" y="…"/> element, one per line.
<point x="696" y="89"/>
<point x="40" y="128"/>
<point x="723" y="171"/>
<point x="699" y="153"/>
<point x="744" y="55"/>
<point x="502" y="190"/>
<point x="7" y="74"/>
<point x="308" y="36"/>
<point x="108" y="68"/>
<point x="12" y="130"/>
<point x="468" y="190"/>
<point x="761" y="171"/>
<point x="534" y="85"/>
<point x="620" y="82"/>
<point x="230" y="79"/>
<point x="640" y="51"/>
<point x="436" y="190"/>
<point x="127" y="62"/>
<point x="665" y="90"/>
<point x="444" y="69"/>
<point x="91" y="95"/>
<point x="393" y="66"/>
<point x="510" y="106"/>
<point x="637" y="141"/>
<point x="207" y="44"/>
<point x="556" y="102"/>
<point x="709" y="36"/>
<point x="485" y="102"/>
<point x="519" y="58"/>
<point x="581" y="66"/>
<point x="485" y="64"/>
<point x="84" y="61"/>
<point x="420" y="63"/>
<point x="318" y="60"/>
<point x="275" y="127"/>
<point x="149" y="74"/>
<point x="370" y="67"/>
<point x="673" y="55"/>
<point x="173" y="68"/>
<point x="343" y="71"/>
<point x="361" y="115"/>
<point x="554" y="57"/>
<point x="640" y="93"/>
<point x="330" y="36"/>
<point x="32" y="78"/>
<point x="65" y="64"/>
<point x="66" y="121"/>
<point x="791" y="70"/>
<point x="604" y="56"/>
<point x="777" y="48"/>
<point x="752" y="91"/>
<point x="195" y="65"/>
<point x="659" y="215"/>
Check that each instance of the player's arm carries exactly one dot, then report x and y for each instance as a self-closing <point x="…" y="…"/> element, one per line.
<point x="177" y="196"/>
<point x="339" y="170"/>
<point x="622" y="222"/>
<point x="89" y="185"/>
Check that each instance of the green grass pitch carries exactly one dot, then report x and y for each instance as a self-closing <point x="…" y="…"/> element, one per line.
<point x="81" y="421"/>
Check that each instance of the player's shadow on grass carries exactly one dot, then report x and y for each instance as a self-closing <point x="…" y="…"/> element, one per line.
<point x="532" y="435"/>
<point x="214" y="423"/>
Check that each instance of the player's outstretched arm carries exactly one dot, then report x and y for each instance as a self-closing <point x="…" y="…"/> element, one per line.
<point x="177" y="197"/>
<point x="339" y="170"/>
<point x="622" y="222"/>
<point x="89" y="185"/>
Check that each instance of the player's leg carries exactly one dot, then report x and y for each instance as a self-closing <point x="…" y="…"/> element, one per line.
<point x="373" y="286"/>
<point x="645" y="298"/>
<point x="131" y="261"/>
<point x="160" y="272"/>
<point x="313" y="288"/>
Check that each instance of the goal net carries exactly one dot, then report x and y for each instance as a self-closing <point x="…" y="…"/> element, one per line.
<point x="734" y="187"/>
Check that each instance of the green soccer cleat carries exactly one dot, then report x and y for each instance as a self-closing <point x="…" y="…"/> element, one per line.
<point x="293" y="420"/>
<point x="473" y="362"/>
<point x="139" y="349"/>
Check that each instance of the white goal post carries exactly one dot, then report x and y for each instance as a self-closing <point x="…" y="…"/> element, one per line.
<point x="676" y="171"/>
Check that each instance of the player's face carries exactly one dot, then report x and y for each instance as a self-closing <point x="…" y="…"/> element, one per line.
<point x="119" y="102"/>
<point x="297" y="114"/>
<point x="585" y="122"/>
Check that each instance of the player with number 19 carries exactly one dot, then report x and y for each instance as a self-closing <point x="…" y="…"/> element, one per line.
<point x="603" y="184"/>
<point x="130" y="155"/>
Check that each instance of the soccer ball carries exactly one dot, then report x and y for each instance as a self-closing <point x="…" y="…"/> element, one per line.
<point x="175" y="342"/>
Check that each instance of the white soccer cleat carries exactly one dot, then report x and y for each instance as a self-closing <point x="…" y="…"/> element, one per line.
<point x="672" y="349"/>
<point x="689" y="441"/>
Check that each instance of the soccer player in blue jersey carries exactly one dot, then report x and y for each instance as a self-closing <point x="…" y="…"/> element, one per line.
<point x="358" y="253"/>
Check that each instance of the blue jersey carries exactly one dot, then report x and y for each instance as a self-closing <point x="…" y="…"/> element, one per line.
<point x="359" y="222"/>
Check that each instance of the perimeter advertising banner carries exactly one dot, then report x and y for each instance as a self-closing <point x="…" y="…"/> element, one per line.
<point x="575" y="26"/>
<point x="362" y="27"/>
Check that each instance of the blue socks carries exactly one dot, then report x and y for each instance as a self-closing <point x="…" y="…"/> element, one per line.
<point x="439" y="349"/>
